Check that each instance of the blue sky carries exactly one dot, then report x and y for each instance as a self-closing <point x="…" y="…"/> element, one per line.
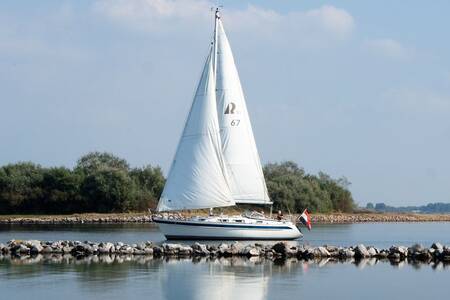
<point x="353" y="88"/>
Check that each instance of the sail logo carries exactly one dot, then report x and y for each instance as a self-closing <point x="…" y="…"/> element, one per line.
<point x="231" y="109"/>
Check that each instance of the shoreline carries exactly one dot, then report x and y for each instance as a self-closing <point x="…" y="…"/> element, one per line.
<point x="124" y="218"/>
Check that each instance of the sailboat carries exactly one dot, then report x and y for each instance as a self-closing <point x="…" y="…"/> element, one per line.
<point x="216" y="163"/>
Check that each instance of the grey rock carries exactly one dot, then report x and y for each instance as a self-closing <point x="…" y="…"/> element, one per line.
<point x="185" y="251"/>
<point x="200" y="249"/>
<point x="148" y="250"/>
<point x="254" y="252"/>
<point x="323" y="252"/>
<point x="126" y="249"/>
<point x="235" y="248"/>
<point x="361" y="251"/>
<point x="372" y="251"/>
<point x="138" y="252"/>
<point x="158" y="251"/>
<point x="437" y="246"/>
<point x="280" y="248"/>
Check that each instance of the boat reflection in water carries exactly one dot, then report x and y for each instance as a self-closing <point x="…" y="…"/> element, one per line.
<point x="226" y="278"/>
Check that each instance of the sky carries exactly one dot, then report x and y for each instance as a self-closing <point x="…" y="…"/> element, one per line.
<point x="359" y="89"/>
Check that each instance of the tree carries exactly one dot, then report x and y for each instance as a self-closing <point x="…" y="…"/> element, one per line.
<point x="97" y="161"/>
<point x="108" y="190"/>
<point x="20" y="187"/>
<point x="61" y="188"/>
<point x="149" y="182"/>
<point x="291" y="188"/>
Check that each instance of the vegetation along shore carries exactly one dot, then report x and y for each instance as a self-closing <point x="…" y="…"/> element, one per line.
<point x="111" y="218"/>
<point x="104" y="183"/>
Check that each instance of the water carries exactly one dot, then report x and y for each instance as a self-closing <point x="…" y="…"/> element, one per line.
<point x="374" y="234"/>
<point x="226" y="278"/>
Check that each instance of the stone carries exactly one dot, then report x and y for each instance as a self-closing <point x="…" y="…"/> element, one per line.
<point x="158" y="251"/>
<point x="47" y="249"/>
<point x="223" y="249"/>
<point x="437" y="246"/>
<point x="361" y="251"/>
<point x="348" y="253"/>
<point x="138" y="252"/>
<point x="148" y="250"/>
<point x="185" y="251"/>
<point x="35" y="249"/>
<point x="280" y="248"/>
<point x="126" y="249"/>
<point x="372" y="251"/>
<point x="253" y="252"/>
<point x="235" y="249"/>
<point x="22" y="249"/>
<point x="200" y="249"/>
<point x="323" y="252"/>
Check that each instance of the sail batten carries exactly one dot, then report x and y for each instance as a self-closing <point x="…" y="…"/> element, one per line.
<point x="239" y="150"/>
<point x="197" y="177"/>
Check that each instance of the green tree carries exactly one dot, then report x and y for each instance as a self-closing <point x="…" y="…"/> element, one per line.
<point x="20" y="187"/>
<point x="149" y="182"/>
<point x="291" y="188"/>
<point x="108" y="190"/>
<point x="96" y="161"/>
<point x="62" y="191"/>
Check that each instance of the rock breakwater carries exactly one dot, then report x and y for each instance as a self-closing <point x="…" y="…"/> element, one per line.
<point x="416" y="253"/>
<point x="78" y="219"/>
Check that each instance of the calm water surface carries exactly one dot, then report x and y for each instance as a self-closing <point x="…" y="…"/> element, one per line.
<point x="226" y="278"/>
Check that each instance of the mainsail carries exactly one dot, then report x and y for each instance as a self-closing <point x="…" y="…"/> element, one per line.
<point x="239" y="150"/>
<point x="197" y="177"/>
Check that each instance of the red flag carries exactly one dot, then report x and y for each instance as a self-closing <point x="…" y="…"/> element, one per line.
<point x="306" y="219"/>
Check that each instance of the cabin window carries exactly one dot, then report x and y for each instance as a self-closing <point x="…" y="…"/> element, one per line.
<point x="238" y="221"/>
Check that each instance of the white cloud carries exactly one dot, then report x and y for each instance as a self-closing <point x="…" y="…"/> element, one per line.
<point x="155" y="15"/>
<point x="335" y="20"/>
<point x="416" y="101"/>
<point x="388" y="48"/>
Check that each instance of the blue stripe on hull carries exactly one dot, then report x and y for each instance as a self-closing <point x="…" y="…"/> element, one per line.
<point x="206" y="224"/>
<point x="210" y="238"/>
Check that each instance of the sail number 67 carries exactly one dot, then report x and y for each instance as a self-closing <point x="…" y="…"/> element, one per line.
<point x="235" y="122"/>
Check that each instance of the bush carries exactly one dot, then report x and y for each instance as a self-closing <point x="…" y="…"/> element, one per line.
<point x="102" y="182"/>
<point x="291" y="188"/>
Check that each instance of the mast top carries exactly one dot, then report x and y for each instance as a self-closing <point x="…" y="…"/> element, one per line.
<point x="217" y="13"/>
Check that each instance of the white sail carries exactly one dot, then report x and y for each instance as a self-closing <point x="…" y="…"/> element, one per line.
<point x="241" y="157"/>
<point x="196" y="178"/>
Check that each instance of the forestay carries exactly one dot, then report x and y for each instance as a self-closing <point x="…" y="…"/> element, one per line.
<point x="196" y="178"/>
<point x="238" y="144"/>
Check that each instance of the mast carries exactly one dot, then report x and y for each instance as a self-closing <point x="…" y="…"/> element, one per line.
<point x="216" y="20"/>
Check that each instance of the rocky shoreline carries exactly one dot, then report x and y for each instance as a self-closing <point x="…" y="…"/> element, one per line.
<point x="436" y="253"/>
<point x="334" y="218"/>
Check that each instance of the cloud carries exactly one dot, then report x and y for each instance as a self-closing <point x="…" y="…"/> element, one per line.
<point x="416" y="101"/>
<point x="335" y="20"/>
<point x="155" y="15"/>
<point x="389" y="48"/>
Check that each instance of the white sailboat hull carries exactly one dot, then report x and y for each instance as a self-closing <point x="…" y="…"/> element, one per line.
<point x="216" y="230"/>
